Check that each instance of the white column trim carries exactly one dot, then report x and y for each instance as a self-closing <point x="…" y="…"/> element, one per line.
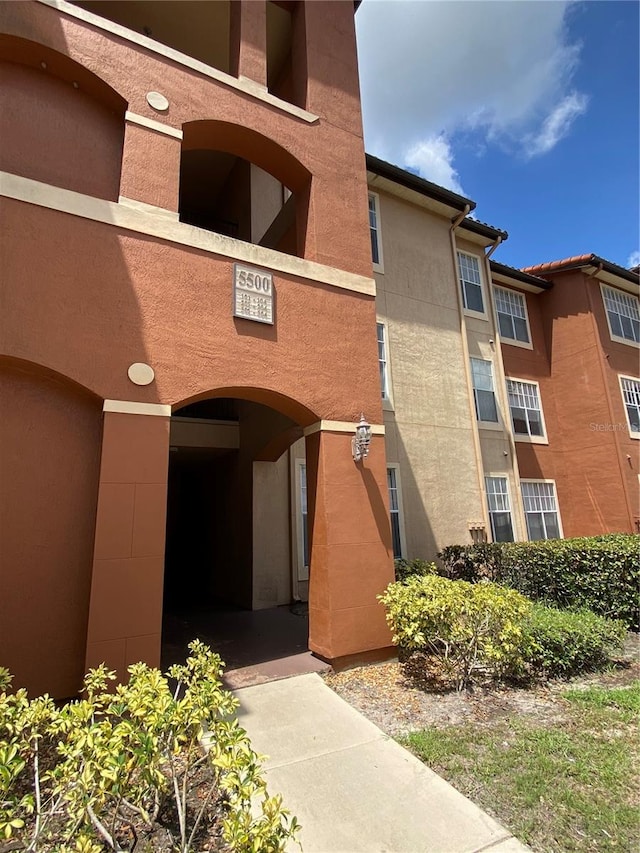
<point x="152" y="124"/>
<point x="340" y="426"/>
<point x="165" y="227"/>
<point x="130" y="407"/>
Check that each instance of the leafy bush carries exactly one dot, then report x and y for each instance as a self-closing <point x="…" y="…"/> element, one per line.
<point x="566" y="642"/>
<point x="97" y="772"/>
<point x="472" y="562"/>
<point x="601" y="573"/>
<point x="467" y="628"/>
<point x="406" y="568"/>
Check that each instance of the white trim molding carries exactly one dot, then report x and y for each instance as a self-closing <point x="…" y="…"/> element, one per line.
<point x="242" y="84"/>
<point x="152" y="124"/>
<point x="340" y="426"/>
<point x="628" y="300"/>
<point x="630" y="397"/>
<point x="130" y="407"/>
<point x="135" y="216"/>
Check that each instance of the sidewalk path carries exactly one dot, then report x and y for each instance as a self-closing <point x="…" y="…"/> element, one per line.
<point x="351" y="787"/>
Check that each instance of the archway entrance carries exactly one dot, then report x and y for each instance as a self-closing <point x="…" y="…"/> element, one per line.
<point x="233" y="516"/>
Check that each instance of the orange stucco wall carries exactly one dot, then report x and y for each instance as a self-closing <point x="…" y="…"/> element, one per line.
<point x="577" y="367"/>
<point x="50" y="435"/>
<point x="85" y="300"/>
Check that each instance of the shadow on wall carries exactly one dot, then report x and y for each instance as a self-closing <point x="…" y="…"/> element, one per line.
<point x="69" y="313"/>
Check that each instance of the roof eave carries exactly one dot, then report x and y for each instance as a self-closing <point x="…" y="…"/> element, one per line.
<point x="503" y="274"/>
<point x="419" y="185"/>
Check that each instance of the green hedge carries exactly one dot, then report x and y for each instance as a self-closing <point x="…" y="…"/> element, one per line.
<point x="407" y="568"/>
<point x="566" y="642"/>
<point x="601" y="573"/>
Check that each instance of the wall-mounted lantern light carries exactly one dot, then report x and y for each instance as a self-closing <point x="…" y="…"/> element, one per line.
<point x="361" y="441"/>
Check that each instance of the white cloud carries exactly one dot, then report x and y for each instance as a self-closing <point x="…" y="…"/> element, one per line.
<point x="433" y="158"/>
<point x="431" y="69"/>
<point x="633" y="260"/>
<point x="556" y="125"/>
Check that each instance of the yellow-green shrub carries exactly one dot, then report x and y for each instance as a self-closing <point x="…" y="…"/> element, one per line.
<point x="129" y="754"/>
<point x="468" y="628"/>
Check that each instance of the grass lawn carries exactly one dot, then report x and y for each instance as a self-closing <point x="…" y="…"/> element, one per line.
<point x="562" y="784"/>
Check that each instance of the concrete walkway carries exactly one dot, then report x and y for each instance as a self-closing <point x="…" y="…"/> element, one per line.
<point x="351" y="787"/>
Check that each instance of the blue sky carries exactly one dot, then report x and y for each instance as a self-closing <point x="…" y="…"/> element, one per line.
<point x="529" y="107"/>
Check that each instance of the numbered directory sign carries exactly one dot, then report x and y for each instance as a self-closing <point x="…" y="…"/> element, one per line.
<point x="252" y="294"/>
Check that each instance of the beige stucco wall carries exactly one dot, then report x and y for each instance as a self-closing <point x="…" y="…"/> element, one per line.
<point x="497" y="446"/>
<point x="429" y="426"/>
<point x="271" y="560"/>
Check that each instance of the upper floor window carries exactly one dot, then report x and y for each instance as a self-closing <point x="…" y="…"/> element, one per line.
<point x="631" y="396"/>
<point x="483" y="392"/>
<point x="382" y="360"/>
<point x="374" y="231"/>
<point x="541" y="509"/>
<point x="525" y="407"/>
<point x="471" y="283"/>
<point x="623" y="315"/>
<point x="511" y="308"/>
<point x="499" y="509"/>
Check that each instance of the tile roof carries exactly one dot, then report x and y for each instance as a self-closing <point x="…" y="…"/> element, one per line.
<point x="578" y="261"/>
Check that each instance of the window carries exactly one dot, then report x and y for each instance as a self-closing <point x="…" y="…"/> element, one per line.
<point x="302" y="521"/>
<point x="541" y="509"/>
<point x="623" y="314"/>
<point x="526" y="411"/>
<point x="382" y="361"/>
<point x="499" y="509"/>
<point x="631" y="396"/>
<point x="511" y="309"/>
<point x="471" y="283"/>
<point x="374" y="231"/>
<point x="483" y="393"/>
<point x="395" y="510"/>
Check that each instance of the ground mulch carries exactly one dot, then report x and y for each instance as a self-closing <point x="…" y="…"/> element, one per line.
<point x="397" y="704"/>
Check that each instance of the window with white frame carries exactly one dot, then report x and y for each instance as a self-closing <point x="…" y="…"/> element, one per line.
<point x="374" y="230"/>
<point x="471" y="283"/>
<point x="499" y="509"/>
<point x="623" y="314"/>
<point x="511" y="308"/>
<point x="483" y="393"/>
<point x="395" y="509"/>
<point x="526" y="411"/>
<point x="631" y="396"/>
<point x="382" y="360"/>
<point x="302" y="521"/>
<point x="541" y="509"/>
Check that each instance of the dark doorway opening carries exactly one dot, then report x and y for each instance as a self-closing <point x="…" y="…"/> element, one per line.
<point x="222" y="550"/>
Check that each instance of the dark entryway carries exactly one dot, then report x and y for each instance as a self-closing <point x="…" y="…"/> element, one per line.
<point x="215" y="522"/>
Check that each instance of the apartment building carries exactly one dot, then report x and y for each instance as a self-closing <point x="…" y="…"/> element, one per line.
<point x="574" y="392"/>
<point x="197" y="314"/>
<point x="511" y="397"/>
<point x="187" y="291"/>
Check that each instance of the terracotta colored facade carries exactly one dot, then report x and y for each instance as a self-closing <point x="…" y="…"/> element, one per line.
<point x="157" y="447"/>
<point x="103" y="269"/>
<point x="591" y="453"/>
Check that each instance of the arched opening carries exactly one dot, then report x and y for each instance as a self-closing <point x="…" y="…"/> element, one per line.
<point x="79" y="119"/>
<point x="232" y="573"/>
<point x="239" y="183"/>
